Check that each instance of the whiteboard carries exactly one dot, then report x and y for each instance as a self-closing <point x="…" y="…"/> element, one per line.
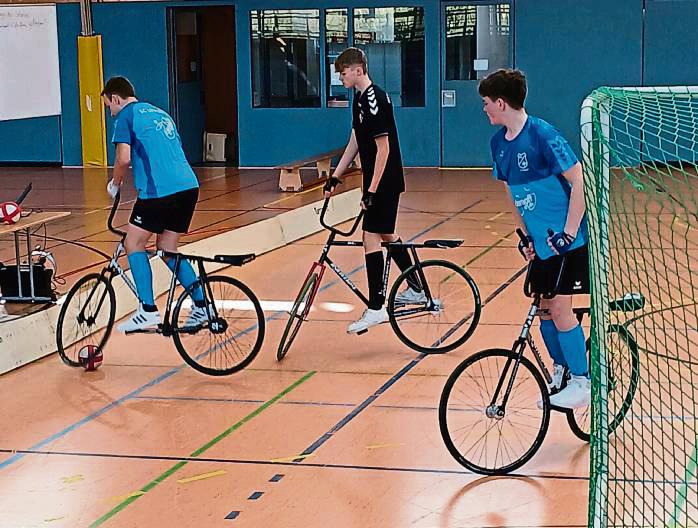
<point x="30" y="83"/>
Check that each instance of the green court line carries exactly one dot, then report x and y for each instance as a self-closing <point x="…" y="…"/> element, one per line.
<point x="481" y="254"/>
<point x="201" y="450"/>
<point x="683" y="489"/>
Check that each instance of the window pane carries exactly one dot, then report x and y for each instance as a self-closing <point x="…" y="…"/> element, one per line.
<point x="285" y="58"/>
<point x="337" y="40"/>
<point x="477" y="41"/>
<point x="393" y="39"/>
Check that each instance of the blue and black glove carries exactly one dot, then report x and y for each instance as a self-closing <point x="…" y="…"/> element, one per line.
<point x="525" y="241"/>
<point x="561" y="242"/>
<point x="331" y="184"/>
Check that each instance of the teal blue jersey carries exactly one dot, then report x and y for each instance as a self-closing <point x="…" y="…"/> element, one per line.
<point x="160" y="167"/>
<point x="532" y="165"/>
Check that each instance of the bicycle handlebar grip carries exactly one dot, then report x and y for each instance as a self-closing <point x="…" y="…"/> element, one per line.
<point x="112" y="213"/>
<point x="335" y="230"/>
<point x="522" y="236"/>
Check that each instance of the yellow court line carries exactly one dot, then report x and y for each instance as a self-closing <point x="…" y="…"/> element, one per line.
<point x="202" y="476"/>
<point x="74" y="478"/>
<point x="291" y="458"/>
<point x="383" y="446"/>
<point x="496" y="216"/>
<point x="294" y="195"/>
<point x="125" y="497"/>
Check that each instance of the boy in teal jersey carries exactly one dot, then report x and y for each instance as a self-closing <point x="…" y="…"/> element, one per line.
<point x="147" y="140"/>
<point x="545" y="181"/>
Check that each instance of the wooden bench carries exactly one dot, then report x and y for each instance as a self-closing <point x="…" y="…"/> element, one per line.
<point x="290" y="173"/>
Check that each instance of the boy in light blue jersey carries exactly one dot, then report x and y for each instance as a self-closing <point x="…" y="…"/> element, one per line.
<point x="545" y="181"/>
<point x="147" y="140"/>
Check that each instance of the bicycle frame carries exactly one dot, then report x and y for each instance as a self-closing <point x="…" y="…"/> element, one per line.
<point x="325" y="261"/>
<point x="114" y="269"/>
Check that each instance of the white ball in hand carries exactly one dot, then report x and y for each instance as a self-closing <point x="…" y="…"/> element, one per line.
<point x="113" y="188"/>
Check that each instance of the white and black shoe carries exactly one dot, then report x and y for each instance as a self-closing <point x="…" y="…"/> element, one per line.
<point x="141" y="320"/>
<point x="199" y="315"/>
<point x="368" y="319"/>
<point x="410" y="296"/>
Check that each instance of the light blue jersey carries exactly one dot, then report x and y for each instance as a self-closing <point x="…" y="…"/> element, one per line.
<point x="532" y="165"/>
<point x="160" y="167"/>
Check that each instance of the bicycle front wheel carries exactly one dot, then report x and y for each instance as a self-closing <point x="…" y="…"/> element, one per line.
<point x="484" y="433"/>
<point x="622" y="380"/>
<point x="298" y="313"/>
<point x="232" y="334"/>
<point x="441" y="319"/>
<point x="86" y="317"/>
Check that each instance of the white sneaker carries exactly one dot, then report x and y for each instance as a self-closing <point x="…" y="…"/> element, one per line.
<point x="368" y="319"/>
<point x="577" y="394"/>
<point x="558" y="373"/>
<point x="141" y="320"/>
<point x="410" y="296"/>
<point x="198" y="316"/>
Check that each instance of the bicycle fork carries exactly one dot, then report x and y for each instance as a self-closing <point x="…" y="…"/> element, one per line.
<point x="498" y="411"/>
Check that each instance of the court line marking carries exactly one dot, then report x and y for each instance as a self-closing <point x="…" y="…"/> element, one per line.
<point x="203" y="476"/>
<point x="317" y="465"/>
<point x="396" y="377"/>
<point x="153" y="483"/>
<point x="174" y="370"/>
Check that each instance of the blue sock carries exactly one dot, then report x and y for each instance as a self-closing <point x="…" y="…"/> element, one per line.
<point x="143" y="277"/>
<point x="186" y="277"/>
<point x="549" y="332"/>
<point x="574" y="348"/>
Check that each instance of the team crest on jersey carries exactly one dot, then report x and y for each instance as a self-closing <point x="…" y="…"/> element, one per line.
<point x="166" y="126"/>
<point x="522" y="160"/>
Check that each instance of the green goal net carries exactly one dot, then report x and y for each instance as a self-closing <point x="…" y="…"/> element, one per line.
<point x="640" y="150"/>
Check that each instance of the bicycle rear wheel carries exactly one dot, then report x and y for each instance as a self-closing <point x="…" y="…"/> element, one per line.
<point x="86" y="317"/>
<point x="299" y="312"/>
<point x="446" y="316"/>
<point x="487" y="438"/>
<point x="231" y="336"/>
<point x="623" y="379"/>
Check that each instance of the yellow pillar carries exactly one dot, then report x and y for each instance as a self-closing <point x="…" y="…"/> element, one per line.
<point x="92" y="119"/>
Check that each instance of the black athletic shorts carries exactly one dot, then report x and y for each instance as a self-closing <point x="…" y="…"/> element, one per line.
<point x="169" y="213"/>
<point x="575" y="276"/>
<point x="382" y="215"/>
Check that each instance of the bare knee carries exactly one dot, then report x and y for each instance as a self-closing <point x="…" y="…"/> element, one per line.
<point x="560" y="309"/>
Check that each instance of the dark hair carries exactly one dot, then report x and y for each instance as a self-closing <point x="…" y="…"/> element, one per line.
<point x="509" y="85"/>
<point x="351" y="57"/>
<point x="120" y="86"/>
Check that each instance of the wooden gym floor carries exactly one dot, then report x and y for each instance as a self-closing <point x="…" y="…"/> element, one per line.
<point x="146" y="441"/>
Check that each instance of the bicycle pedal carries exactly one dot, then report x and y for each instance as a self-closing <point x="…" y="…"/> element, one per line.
<point x="144" y="331"/>
<point x="563" y="410"/>
<point x="362" y="332"/>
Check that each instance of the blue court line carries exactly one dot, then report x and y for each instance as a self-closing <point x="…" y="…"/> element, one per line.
<point x="232" y="515"/>
<point x="368" y="401"/>
<point x="19" y="455"/>
<point x="256" y="495"/>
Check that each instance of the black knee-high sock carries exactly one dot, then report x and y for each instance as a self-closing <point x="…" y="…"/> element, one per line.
<point x="403" y="260"/>
<point x="374" y="270"/>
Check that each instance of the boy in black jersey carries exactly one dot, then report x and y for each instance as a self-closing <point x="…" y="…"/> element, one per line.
<point x="374" y="138"/>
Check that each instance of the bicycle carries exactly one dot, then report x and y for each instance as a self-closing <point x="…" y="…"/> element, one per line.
<point x="484" y="436"/>
<point x="438" y="323"/>
<point x="223" y="344"/>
